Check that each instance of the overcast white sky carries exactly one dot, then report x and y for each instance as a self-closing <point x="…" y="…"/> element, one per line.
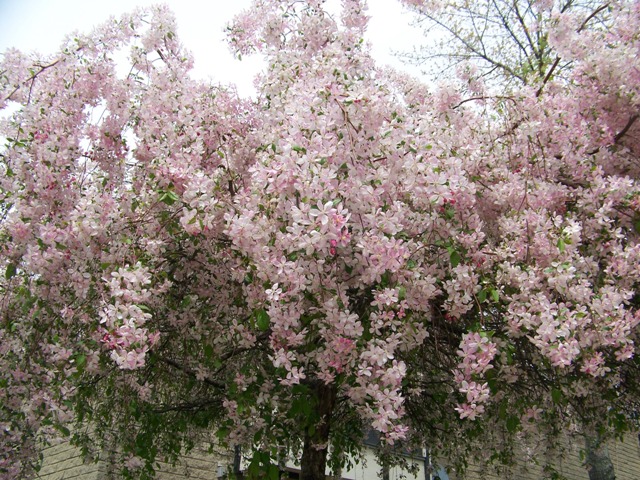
<point x="42" y="24"/>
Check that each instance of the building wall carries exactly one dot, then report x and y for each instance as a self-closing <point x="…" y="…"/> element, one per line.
<point x="625" y="456"/>
<point x="368" y="468"/>
<point x="196" y="465"/>
<point x="63" y="462"/>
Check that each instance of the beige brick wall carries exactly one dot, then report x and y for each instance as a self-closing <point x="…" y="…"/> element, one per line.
<point x="625" y="456"/>
<point x="63" y="462"/>
<point x="196" y="465"/>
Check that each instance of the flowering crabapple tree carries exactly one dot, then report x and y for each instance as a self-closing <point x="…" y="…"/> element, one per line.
<point x="350" y="250"/>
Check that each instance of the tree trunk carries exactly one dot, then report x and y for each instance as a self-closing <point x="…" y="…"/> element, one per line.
<point x="237" y="463"/>
<point x="385" y="471"/>
<point x="598" y="461"/>
<point x="316" y="439"/>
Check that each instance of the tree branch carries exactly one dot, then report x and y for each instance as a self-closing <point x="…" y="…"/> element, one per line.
<point x="190" y="372"/>
<point x="557" y="60"/>
<point x="620" y="134"/>
<point x="548" y="76"/>
<point x="626" y="128"/>
<point x="593" y="14"/>
<point x="185" y="406"/>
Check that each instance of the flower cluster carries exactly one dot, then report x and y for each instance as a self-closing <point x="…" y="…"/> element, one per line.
<point x="477" y="352"/>
<point x="122" y="319"/>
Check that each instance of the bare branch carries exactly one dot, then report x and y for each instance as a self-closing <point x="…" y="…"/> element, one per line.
<point x="548" y="76"/>
<point x="593" y="14"/>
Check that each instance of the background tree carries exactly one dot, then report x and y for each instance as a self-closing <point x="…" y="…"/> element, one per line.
<point x="510" y="42"/>
<point x="351" y="250"/>
<point x="498" y="48"/>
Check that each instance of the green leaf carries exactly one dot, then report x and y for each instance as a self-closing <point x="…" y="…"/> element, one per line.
<point x="208" y="351"/>
<point x="274" y="472"/>
<point x="485" y="333"/>
<point x="222" y="433"/>
<point x="561" y="245"/>
<point x="556" y="395"/>
<point x="510" y="351"/>
<point x="299" y="149"/>
<point x="482" y="296"/>
<point x="449" y="212"/>
<point x="495" y="295"/>
<point x="10" y="272"/>
<point x="512" y="424"/>
<point x="169" y="197"/>
<point x="402" y="293"/>
<point x="492" y="383"/>
<point x="81" y="361"/>
<point x="455" y="258"/>
<point x="262" y="319"/>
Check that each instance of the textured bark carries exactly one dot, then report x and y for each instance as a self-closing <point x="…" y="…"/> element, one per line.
<point x="316" y="440"/>
<point x="598" y="461"/>
<point x="385" y="471"/>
